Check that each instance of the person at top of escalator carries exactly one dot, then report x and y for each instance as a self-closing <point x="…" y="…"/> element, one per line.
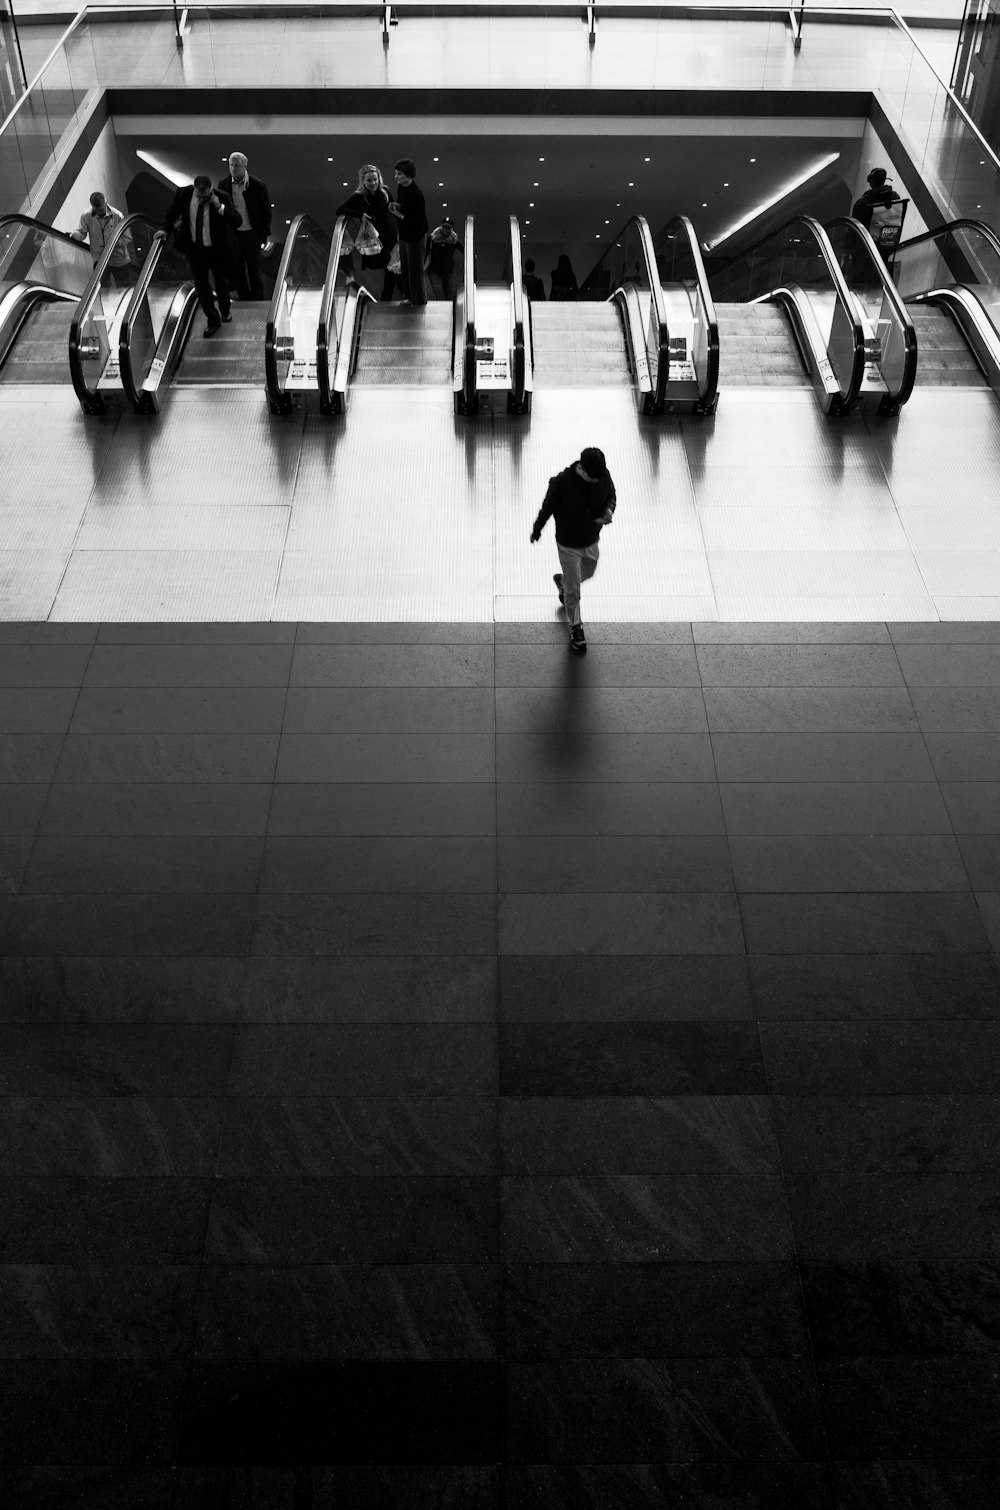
<point x="97" y="227"/>
<point x="531" y="283"/>
<point x="410" y="210"/>
<point x="879" y="194"/>
<point x="369" y="204"/>
<point x="443" y="251"/>
<point x="563" y="280"/>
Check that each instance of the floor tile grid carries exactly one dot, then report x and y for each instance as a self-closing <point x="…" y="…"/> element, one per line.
<point x="879" y="1272"/>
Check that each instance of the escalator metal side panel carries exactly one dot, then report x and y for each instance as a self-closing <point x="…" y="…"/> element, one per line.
<point x="973" y="321"/>
<point x="630" y="312"/>
<point x="17" y="304"/>
<point x="169" y="349"/>
<point x="794" y="300"/>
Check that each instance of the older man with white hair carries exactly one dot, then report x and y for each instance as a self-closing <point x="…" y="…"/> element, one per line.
<point x="250" y="198"/>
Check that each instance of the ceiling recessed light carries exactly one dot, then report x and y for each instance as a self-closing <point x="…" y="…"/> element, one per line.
<point x="440" y="186"/>
<point x="646" y="159"/>
<point x="535" y="185"/>
<point x="725" y="186"/>
<point x="345" y="183"/>
<point x="631" y="185"/>
<point x="437" y="159"/>
<point x="753" y="159"/>
<point x="541" y="159"/>
<point x="607" y="222"/>
<point x="705" y="205"/>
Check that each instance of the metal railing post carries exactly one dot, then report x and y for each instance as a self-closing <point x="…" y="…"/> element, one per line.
<point x="178" y="39"/>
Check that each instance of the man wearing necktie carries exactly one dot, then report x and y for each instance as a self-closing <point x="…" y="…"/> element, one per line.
<point x="202" y="220"/>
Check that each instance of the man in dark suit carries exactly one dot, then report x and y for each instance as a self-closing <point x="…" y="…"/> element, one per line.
<point x="250" y="198"/>
<point x="202" y="221"/>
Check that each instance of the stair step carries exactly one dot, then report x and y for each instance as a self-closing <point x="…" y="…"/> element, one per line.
<point x="40" y="353"/>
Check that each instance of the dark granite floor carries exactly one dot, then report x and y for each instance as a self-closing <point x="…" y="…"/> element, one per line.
<point x="440" y="1073"/>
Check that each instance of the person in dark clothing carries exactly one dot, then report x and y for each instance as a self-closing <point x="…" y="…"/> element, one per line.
<point x="581" y="499"/>
<point x="411" y="212"/>
<point x="879" y="193"/>
<point x="563" y="280"/>
<point x="202" y="220"/>
<point x="250" y="198"/>
<point x="369" y="204"/>
<point x="443" y="251"/>
<point x="531" y="283"/>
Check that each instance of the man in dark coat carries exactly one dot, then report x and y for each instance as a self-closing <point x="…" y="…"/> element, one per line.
<point x="581" y="498"/>
<point x="250" y="199"/>
<point x="202" y="220"/>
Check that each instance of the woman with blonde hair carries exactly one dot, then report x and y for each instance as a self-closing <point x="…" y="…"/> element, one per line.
<point x="369" y="204"/>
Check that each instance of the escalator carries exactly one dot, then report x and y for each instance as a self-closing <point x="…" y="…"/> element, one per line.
<point x="43" y="274"/>
<point x="950" y="279"/>
<point x="808" y="306"/>
<point x="666" y="313"/>
<point x="389" y="345"/>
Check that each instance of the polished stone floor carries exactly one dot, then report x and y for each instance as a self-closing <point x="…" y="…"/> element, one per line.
<point x="438" y="1072"/>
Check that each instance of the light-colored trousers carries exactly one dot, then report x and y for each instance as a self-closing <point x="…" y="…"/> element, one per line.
<point x="578" y="565"/>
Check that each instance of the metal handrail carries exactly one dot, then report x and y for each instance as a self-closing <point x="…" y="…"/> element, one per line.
<point x="892" y="295"/>
<point x="518" y="400"/>
<point x="328" y="317"/>
<point x="132" y="309"/>
<point x="39" y="225"/>
<point x="279" y="401"/>
<point x="658" y="309"/>
<point x="470" y="401"/>
<point x="984" y="230"/>
<point x="89" y="397"/>
<point x="841" y="292"/>
<point x="707" y="395"/>
<point x="71" y="28"/>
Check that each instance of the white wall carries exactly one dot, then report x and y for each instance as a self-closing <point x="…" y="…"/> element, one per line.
<point x="101" y="170"/>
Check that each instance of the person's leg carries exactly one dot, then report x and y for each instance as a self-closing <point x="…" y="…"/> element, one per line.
<point x="198" y="262"/>
<point x="220" y="272"/>
<point x="404" y="270"/>
<point x="570" y="560"/>
<point x="250" y="265"/>
<point x="588" y="561"/>
<point x="412" y="258"/>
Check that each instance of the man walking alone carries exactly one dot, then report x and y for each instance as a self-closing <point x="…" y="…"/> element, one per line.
<point x="582" y="500"/>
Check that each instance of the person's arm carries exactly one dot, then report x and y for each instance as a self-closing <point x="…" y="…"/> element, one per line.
<point x="610" y="500"/>
<point x="230" y="213"/>
<point x="266" y="205"/>
<point x="82" y="231"/>
<point x="547" y="509"/>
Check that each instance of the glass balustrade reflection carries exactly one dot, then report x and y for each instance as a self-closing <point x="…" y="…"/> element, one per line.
<point x="167" y="274"/>
<point x="964" y="254"/>
<point x="887" y="328"/>
<point x="298" y="300"/>
<point x="33" y="253"/>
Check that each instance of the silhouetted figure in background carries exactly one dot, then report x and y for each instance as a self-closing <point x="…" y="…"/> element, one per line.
<point x="443" y="251"/>
<point x="531" y="283"/>
<point x="878" y="194"/>
<point x="563" y="280"/>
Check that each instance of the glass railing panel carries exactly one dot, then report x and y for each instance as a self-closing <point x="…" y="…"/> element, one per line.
<point x="33" y="253"/>
<point x="887" y="327"/>
<point x="164" y="270"/>
<point x="690" y="315"/>
<point x="98" y="318"/>
<point x="297" y="302"/>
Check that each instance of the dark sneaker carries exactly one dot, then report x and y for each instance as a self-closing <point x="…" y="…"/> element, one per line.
<point x="557" y="579"/>
<point x="578" y="640"/>
<point x="212" y="328"/>
<point x="226" y="319"/>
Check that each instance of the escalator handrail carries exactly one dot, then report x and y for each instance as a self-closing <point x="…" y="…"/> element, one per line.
<point x="274" y="393"/>
<point x="891" y="293"/>
<point x="659" y="310"/>
<point x="469" y="307"/>
<point x="328" y="315"/>
<point x="131" y="310"/>
<point x="39" y="225"/>
<point x="519" y="347"/>
<point x="707" y="395"/>
<point x="984" y="230"/>
<point x="123" y="229"/>
<point x="811" y="224"/>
